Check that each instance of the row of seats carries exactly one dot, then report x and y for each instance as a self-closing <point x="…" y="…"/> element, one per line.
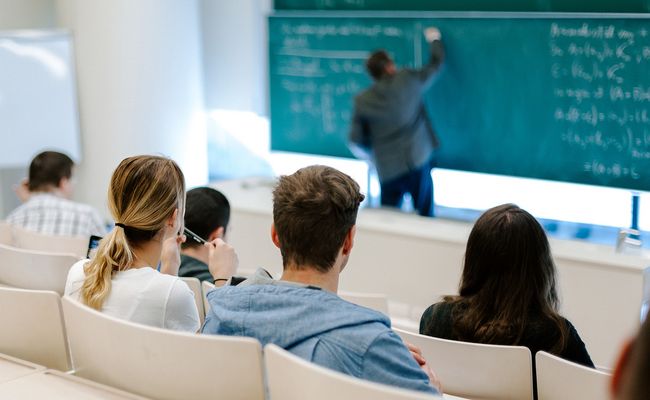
<point x="164" y="364"/>
<point x="158" y="363"/>
<point x="16" y="236"/>
<point x="470" y="370"/>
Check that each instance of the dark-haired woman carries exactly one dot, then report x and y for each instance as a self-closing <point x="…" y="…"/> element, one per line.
<point x="507" y="292"/>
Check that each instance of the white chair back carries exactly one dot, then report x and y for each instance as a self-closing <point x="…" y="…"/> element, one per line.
<point x="159" y="363"/>
<point x="205" y="288"/>
<point x="195" y="286"/>
<point x="30" y="240"/>
<point x="292" y="378"/>
<point x="55" y="385"/>
<point x="32" y="327"/>
<point x="12" y="368"/>
<point x="375" y="301"/>
<point x="6" y="234"/>
<point x="30" y="269"/>
<point x="559" y="379"/>
<point x="477" y="370"/>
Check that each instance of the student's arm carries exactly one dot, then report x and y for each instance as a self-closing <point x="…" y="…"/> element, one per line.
<point x="388" y="361"/>
<point x="22" y="190"/>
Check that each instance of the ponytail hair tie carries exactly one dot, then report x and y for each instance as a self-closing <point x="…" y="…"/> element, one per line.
<point x="121" y="225"/>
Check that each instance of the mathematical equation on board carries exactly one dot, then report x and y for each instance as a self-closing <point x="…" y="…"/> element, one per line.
<point x="598" y="72"/>
<point x="317" y="79"/>
<point x="306" y="30"/>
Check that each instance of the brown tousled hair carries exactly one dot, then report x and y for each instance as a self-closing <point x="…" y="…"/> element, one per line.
<point x="143" y="194"/>
<point x="313" y="211"/>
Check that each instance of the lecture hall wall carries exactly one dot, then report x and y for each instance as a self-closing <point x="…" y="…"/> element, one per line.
<point x="147" y="73"/>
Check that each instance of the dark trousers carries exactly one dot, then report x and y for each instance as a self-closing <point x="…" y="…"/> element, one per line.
<point x="418" y="183"/>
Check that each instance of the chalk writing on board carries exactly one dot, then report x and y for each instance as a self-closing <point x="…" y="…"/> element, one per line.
<point x="602" y="110"/>
<point x="316" y="78"/>
<point x="616" y="170"/>
<point x="615" y="93"/>
<point x="324" y="30"/>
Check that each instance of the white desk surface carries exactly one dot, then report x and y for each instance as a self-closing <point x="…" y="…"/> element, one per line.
<point x="55" y="385"/>
<point x="450" y="397"/>
<point x="13" y="368"/>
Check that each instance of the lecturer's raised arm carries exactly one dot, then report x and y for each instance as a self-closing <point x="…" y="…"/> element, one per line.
<point x="436" y="55"/>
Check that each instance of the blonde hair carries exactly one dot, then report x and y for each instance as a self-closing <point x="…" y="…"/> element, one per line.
<point x="144" y="192"/>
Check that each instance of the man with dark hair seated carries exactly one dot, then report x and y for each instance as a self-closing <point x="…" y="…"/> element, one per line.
<point x="207" y="212"/>
<point x="314" y="217"/>
<point x="47" y="206"/>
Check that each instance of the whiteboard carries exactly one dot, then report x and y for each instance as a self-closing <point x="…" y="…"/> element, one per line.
<point x="38" y="99"/>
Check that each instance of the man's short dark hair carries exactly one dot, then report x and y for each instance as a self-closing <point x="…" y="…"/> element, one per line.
<point x="47" y="169"/>
<point x="377" y="62"/>
<point x="313" y="211"/>
<point x="206" y="210"/>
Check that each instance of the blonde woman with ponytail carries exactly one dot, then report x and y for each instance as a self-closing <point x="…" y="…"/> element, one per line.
<point x="146" y="198"/>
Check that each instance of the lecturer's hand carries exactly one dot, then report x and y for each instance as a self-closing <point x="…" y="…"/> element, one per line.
<point x="432" y="34"/>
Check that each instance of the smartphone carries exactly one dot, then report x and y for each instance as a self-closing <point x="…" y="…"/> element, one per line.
<point x="93" y="243"/>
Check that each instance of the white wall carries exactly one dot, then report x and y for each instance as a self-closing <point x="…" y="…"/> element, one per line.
<point x="235" y="54"/>
<point x="21" y="14"/>
<point x="145" y="70"/>
<point x="140" y="86"/>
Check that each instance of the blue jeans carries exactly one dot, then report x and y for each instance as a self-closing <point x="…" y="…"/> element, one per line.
<point x="418" y="183"/>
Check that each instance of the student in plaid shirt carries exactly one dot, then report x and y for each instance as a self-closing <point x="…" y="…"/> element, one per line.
<point x="47" y="208"/>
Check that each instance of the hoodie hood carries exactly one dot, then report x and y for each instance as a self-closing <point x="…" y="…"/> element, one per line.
<point x="283" y="313"/>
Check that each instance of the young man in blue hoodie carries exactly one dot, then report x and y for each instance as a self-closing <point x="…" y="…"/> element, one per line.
<point x="314" y="216"/>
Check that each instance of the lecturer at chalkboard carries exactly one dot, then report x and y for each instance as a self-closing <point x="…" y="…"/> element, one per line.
<point x="391" y="128"/>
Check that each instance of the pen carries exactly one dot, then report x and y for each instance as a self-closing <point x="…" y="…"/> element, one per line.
<point x="194" y="236"/>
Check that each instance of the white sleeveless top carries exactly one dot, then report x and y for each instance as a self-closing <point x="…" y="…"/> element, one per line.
<point x="144" y="296"/>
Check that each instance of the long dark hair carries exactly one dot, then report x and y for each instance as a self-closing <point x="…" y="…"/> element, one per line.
<point x="508" y="276"/>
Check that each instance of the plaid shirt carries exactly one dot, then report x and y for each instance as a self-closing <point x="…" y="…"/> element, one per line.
<point x="53" y="215"/>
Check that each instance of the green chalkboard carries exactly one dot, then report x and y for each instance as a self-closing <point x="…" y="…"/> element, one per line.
<point x="564" y="99"/>
<point x="629" y="6"/>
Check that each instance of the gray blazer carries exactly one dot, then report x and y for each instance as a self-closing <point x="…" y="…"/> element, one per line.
<point x="390" y="125"/>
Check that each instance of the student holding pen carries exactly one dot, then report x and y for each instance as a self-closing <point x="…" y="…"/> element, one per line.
<point x="207" y="214"/>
